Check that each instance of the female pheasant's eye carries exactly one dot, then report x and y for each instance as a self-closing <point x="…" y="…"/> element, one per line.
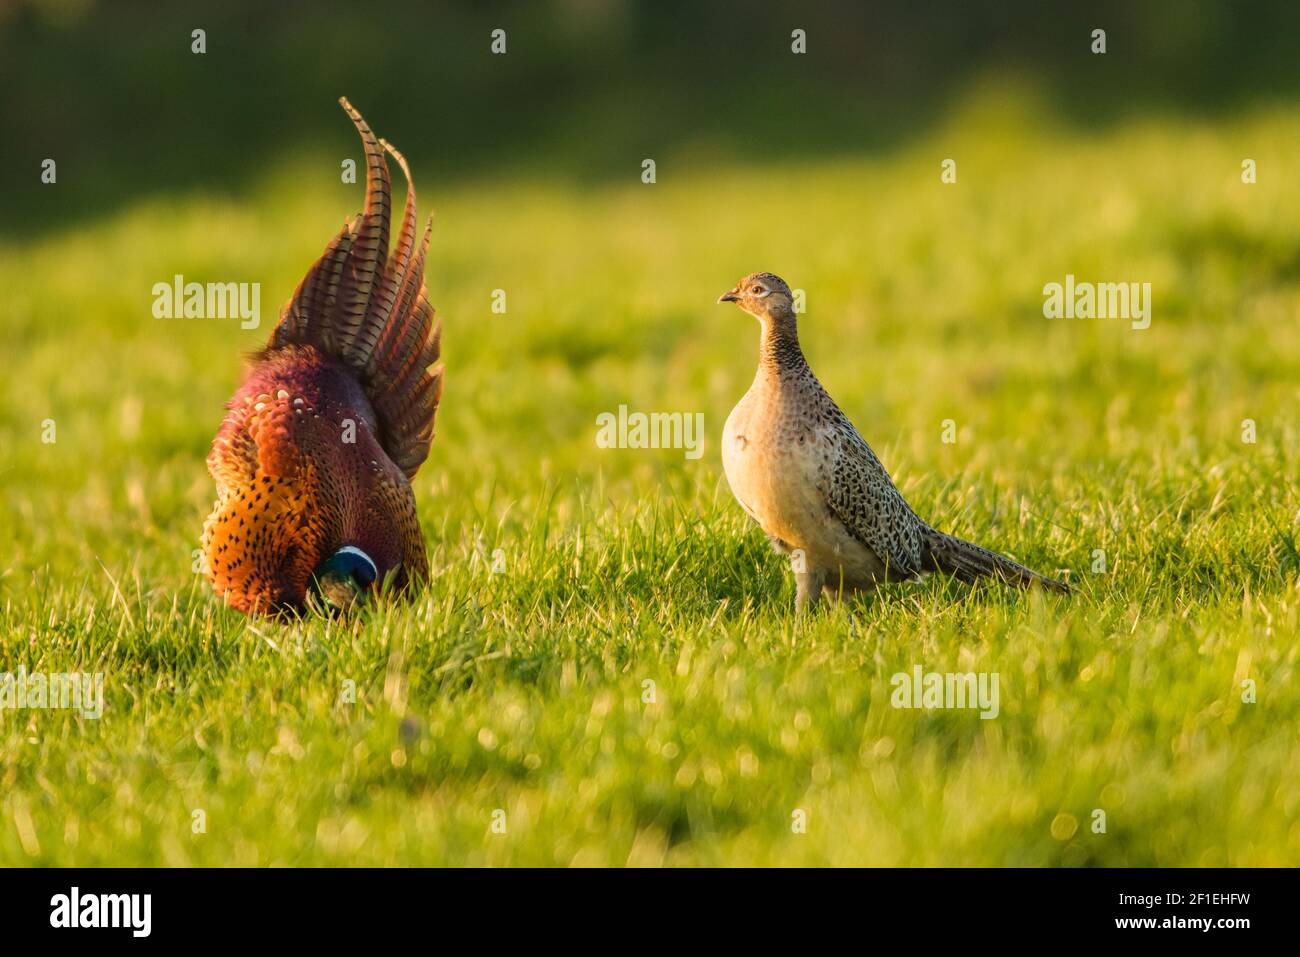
<point x="757" y="290"/>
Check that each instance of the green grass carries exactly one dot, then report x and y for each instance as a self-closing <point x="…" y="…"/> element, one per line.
<point x="524" y="690"/>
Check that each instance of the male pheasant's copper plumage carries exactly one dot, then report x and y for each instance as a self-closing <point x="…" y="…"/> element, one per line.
<point x="801" y="470"/>
<point x="314" y="458"/>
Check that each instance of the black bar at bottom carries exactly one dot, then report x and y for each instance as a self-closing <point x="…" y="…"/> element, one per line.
<point x="335" y="907"/>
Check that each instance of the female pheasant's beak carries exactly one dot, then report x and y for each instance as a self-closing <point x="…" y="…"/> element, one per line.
<point x="732" y="296"/>
<point x="343" y="579"/>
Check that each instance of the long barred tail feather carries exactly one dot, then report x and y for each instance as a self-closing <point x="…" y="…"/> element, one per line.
<point x="969" y="562"/>
<point x="371" y="311"/>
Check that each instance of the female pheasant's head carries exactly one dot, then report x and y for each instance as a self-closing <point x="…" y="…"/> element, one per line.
<point x="762" y="295"/>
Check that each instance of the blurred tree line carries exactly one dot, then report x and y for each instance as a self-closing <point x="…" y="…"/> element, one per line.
<point x="585" y="89"/>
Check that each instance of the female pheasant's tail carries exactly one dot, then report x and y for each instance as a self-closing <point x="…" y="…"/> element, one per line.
<point x="371" y="311"/>
<point x="969" y="562"/>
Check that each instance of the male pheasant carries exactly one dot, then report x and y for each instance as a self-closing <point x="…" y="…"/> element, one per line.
<point x="314" y="458"/>
<point x="800" y="469"/>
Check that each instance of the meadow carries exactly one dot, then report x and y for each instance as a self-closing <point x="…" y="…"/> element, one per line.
<point x="606" y="668"/>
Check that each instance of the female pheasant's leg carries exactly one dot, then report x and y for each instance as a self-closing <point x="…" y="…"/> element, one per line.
<point x="808" y="588"/>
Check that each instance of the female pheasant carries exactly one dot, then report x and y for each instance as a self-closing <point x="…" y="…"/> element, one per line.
<point x="800" y="469"/>
<point x="314" y="458"/>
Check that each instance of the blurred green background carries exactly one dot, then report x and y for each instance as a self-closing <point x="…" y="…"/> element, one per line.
<point x="112" y="90"/>
<point x="524" y="689"/>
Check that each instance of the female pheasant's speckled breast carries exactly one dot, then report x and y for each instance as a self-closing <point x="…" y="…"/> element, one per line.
<point x="781" y="445"/>
<point x="772" y="448"/>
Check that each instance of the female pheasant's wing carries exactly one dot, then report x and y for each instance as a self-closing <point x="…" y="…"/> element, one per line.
<point x="370" y="310"/>
<point x="860" y="494"/>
